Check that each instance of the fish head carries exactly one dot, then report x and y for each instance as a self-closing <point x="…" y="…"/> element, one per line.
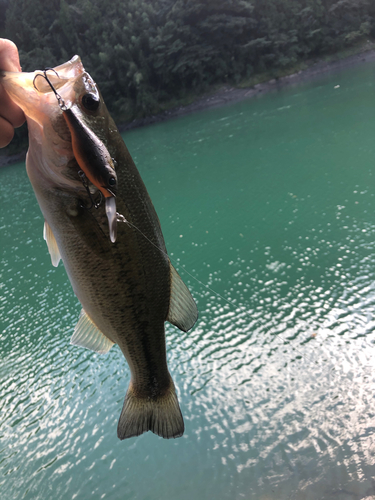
<point x="43" y="100"/>
<point x="69" y="128"/>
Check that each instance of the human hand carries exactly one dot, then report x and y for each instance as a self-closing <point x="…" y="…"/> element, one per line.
<point x="11" y="116"/>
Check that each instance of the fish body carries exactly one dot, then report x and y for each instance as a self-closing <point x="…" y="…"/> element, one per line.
<point x="127" y="288"/>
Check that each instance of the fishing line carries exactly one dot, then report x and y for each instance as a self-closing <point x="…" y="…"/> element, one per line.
<point x="121" y="218"/>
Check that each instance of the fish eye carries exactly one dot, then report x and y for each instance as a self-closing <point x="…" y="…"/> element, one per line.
<point x="90" y="102"/>
<point x="111" y="181"/>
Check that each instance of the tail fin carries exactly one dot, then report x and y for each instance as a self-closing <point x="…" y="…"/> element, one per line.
<point x="160" y="415"/>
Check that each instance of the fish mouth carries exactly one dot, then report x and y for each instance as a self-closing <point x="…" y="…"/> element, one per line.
<point x="19" y="87"/>
<point x="31" y="92"/>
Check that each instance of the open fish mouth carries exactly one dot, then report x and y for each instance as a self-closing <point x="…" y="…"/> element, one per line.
<point x="33" y="99"/>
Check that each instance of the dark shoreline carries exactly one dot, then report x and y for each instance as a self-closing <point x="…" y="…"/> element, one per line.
<point x="229" y="94"/>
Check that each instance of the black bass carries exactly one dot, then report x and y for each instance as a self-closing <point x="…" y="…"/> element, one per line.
<point x="119" y="271"/>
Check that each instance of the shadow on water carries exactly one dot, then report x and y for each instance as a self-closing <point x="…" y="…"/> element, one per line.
<point x="271" y="204"/>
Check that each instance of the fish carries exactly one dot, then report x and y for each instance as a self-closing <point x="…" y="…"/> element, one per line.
<point x="122" y="276"/>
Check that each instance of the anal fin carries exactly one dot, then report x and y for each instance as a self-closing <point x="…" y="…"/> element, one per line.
<point x="52" y="244"/>
<point x="183" y="311"/>
<point x="87" y="334"/>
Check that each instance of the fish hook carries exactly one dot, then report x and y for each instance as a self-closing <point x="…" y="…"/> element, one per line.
<point x="60" y="100"/>
<point x="85" y="183"/>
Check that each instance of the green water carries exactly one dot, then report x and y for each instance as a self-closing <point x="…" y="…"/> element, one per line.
<point x="270" y="202"/>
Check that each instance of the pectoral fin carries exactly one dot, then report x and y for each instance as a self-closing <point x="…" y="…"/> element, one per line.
<point x="52" y="245"/>
<point x="87" y="335"/>
<point x="183" y="311"/>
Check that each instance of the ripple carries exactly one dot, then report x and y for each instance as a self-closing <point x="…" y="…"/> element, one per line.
<point x="276" y="387"/>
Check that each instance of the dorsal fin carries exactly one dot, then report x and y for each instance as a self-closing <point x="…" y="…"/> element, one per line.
<point x="52" y="244"/>
<point x="183" y="311"/>
<point x="87" y="334"/>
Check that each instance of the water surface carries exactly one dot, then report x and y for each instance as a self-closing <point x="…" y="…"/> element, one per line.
<point x="269" y="202"/>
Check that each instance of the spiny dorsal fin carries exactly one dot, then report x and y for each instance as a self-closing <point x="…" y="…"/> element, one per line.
<point x="52" y="244"/>
<point x="183" y="311"/>
<point x="87" y="335"/>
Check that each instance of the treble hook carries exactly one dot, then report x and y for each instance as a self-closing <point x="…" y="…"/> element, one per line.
<point x="85" y="183"/>
<point x="60" y="100"/>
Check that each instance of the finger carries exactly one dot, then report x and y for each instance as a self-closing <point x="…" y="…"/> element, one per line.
<point x="9" y="58"/>
<point x="9" y="110"/>
<point x="9" y="61"/>
<point x="7" y="132"/>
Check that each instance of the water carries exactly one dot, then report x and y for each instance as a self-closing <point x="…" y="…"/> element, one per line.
<point x="269" y="202"/>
